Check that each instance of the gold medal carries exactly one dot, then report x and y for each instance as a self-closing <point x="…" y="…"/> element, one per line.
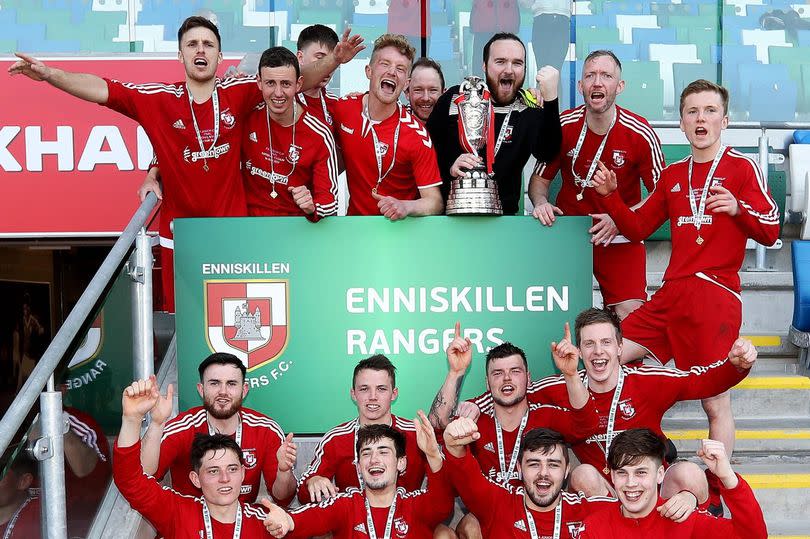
<point x="580" y="196"/>
<point x="205" y="166"/>
<point x="606" y="470"/>
<point x="699" y="240"/>
<point x="273" y="194"/>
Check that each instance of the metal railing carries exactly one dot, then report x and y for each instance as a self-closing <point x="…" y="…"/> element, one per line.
<point x="49" y="449"/>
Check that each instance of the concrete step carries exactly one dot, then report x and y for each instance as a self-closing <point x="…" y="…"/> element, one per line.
<point x="784" y="396"/>
<point x="754" y="436"/>
<point x="789" y="529"/>
<point x="783" y="490"/>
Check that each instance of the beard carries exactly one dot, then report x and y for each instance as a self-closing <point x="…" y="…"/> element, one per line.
<point x="500" y="96"/>
<point x="221" y="413"/>
<point x="542" y="501"/>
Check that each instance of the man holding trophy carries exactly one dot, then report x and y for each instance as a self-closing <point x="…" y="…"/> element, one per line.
<point x="485" y="133"/>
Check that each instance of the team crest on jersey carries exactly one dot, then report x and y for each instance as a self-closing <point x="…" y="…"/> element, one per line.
<point x="627" y="409"/>
<point x="227" y="118"/>
<point x="382" y="148"/>
<point x="575" y="529"/>
<point x="91" y="345"/>
<point x="507" y="136"/>
<point x="249" y="456"/>
<point x="400" y="527"/>
<point x="294" y="154"/>
<point x="248" y="319"/>
<point x="618" y="158"/>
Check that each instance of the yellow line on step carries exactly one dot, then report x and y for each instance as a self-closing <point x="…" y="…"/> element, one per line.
<point x="785" y="434"/>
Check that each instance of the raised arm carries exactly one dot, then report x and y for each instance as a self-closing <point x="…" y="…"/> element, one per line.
<point x="82" y="85"/>
<point x="346" y="49"/>
<point x="459" y="357"/>
<point x="566" y="359"/>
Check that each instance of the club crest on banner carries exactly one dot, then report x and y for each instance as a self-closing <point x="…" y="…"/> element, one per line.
<point x="91" y="345"/>
<point x="248" y="319"/>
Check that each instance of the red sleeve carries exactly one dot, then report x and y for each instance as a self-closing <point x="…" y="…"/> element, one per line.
<point x="320" y="519"/>
<point x="124" y="99"/>
<point x="423" y="161"/>
<point x="324" y="176"/>
<point x="574" y="425"/>
<point x="479" y="494"/>
<point x="759" y="214"/>
<point x="270" y="466"/>
<point x="157" y="504"/>
<point x="651" y="160"/>
<point x="746" y="522"/>
<point x="244" y="91"/>
<point x="636" y="224"/>
<point x="669" y="386"/>
<point x="169" y="451"/>
<point x="322" y="464"/>
<point x="436" y="503"/>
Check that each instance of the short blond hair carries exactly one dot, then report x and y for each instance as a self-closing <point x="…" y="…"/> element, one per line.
<point x="398" y="41"/>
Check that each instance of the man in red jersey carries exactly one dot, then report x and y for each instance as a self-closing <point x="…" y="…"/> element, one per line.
<point x="289" y="158"/>
<point x="314" y="43"/>
<point x="697" y="314"/>
<point x="374" y="389"/>
<point x="537" y="507"/>
<point x="636" y="465"/>
<point x="380" y="508"/>
<point x="391" y="167"/>
<point x="19" y="500"/>
<point x="633" y="397"/>
<point x="601" y="130"/>
<point x="217" y="470"/>
<point x="266" y="451"/>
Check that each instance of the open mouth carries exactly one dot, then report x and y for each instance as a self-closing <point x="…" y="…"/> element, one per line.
<point x="701" y="131"/>
<point x="506" y="85"/>
<point x="201" y="62"/>
<point x="507" y="389"/>
<point x="278" y="101"/>
<point x="599" y="365"/>
<point x="376" y="471"/>
<point x="225" y="490"/>
<point x="597" y="96"/>
<point x="373" y="407"/>
<point x="543" y="486"/>
<point x="388" y="85"/>
<point x="633" y="495"/>
<point x="223" y="402"/>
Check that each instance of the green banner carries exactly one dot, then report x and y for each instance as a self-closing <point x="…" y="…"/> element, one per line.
<point x="301" y="303"/>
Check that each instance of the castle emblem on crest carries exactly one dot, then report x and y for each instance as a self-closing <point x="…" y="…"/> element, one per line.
<point x="248" y="326"/>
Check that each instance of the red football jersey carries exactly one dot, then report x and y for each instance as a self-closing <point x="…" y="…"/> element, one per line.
<point x="25" y="522"/>
<point x="501" y="510"/>
<point x="406" y="166"/>
<point x="416" y="515"/>
<point x="174" y="515"/>
<point x="334" y="458"/>
<point x="719" y="254"/>
<point x="747" y="521"/>
<point x="261" y="438"/>
<point x="309" y="160"/>
<point x="485" y="449"/>
<point x="647" y="393"/>
<point x="165" y="114"/>
<point x="322" y="107"/>
<point x="632" y="151"/>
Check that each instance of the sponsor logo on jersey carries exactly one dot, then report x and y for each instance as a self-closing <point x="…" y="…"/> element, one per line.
<point x="618" y="158"/>
<point x="227" y="118"/>
<point x="253" y="137"/>
<point x="245" y="489"/>
<point x="690" y="220"/>
<point x="400" y="527"/>
<point x="575" y="529"/>
<point x="627" y="409"/>
<point x="213" y="153"/>
<point x="489" y="446"/>
<point x="519" y="524"/>
<point x="179" y="124"/>
<point x="676" y="188"/>
<point x="248" y="319"/>
<point x="249" y="456"/>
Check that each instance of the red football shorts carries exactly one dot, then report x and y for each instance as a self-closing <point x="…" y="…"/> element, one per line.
<point x="621" y="271"/>
<point x="692" y="319"/>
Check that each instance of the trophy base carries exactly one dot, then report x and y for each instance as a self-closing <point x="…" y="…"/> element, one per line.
<point x="474" y="194"/>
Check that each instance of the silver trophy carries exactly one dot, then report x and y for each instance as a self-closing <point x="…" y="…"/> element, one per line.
<point x="476" y="193"/>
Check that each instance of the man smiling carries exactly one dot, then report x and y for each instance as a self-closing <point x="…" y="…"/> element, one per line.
<point x="425" y="88"/>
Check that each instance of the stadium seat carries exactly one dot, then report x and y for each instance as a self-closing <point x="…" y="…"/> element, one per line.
<point x="703" y="39"/>
<point x="625" y="7"/>
<point x="585" y="36"/>
<point x="732" y="55"/>
<point x="644" y="90"/>
<point x="792" y="57"/>
<point x="762" y="39"/>
<point x="667" y="55"/>
<point x="626" y="24"/>
<point x="799" y="158"/>
<point x="593" y="21"/>
<point x="773" y="101"/>
<point x="804" y="101"/>
<point x="800" y="327"/>
<point x="625" y="52"/>
<point x="643" y="37"/>
<point x="370" y="19"/>
<point x="803" y="37"/>
<point x="748" y="73"/>
<point x="683" y="74"/>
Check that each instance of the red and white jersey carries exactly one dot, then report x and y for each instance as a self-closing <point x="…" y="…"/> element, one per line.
<point x="416" y="515"/>
<point x="632" y="151"/>
<point x="557" y="418"/>
<point x="746" y="522"/>
<point x="322" y="107"/>
<point x="25" y="521"/>
<point x="647" y="393"/>
<point x="174" y="515"/>
<point x="501" y="510"/>
<point x="261" y="438"/>
<point x="165" y="114"/>
<point x="309" y="160"/>
<point x="414" y="161"/>
<point x="334" y="458"/>
<point x="721" y="250"/>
